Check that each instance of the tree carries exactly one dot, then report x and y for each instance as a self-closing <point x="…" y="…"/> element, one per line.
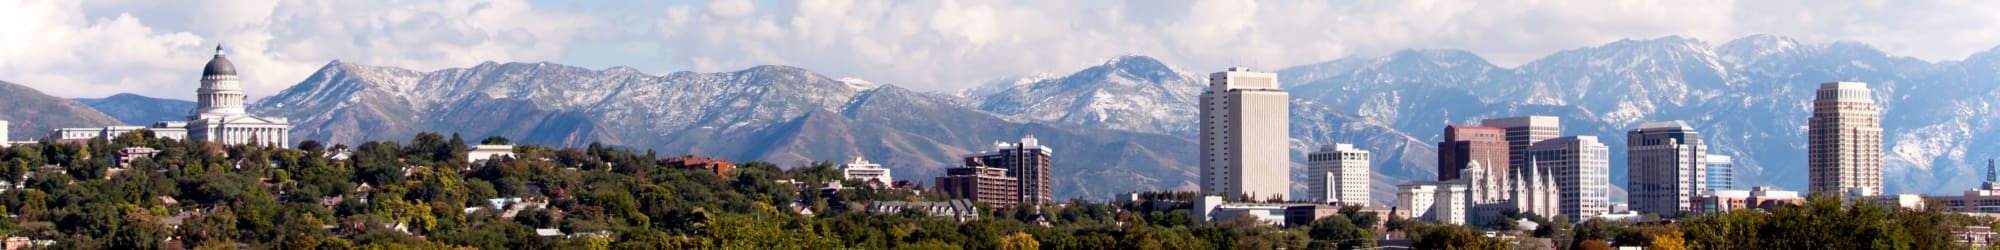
<point x="1670" y="241"/>
<point x="1433" y="236"/>
<point x="1593" y="245"/>
<point x="1019" y="241"/>
<point x="495" y="140"/>
<point x="1339" y="232"/>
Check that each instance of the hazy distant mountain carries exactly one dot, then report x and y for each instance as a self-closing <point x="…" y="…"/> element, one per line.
<point x="140" y="110"/>
<point x="1749" y="97"/>
<point x="32" y="114"/>
<point x="1138" y="93"/>
<point x="774" y="113"/>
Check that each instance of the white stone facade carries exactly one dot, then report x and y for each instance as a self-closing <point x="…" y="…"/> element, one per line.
<point x="1245" y="136"/>
<point x="1338" y="173"/>
<point x="864" y="171"/>
<point x="1581" y="167"/>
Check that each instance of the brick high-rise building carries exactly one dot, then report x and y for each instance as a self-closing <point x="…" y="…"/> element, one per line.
<point x="1667" y="167"/>
<point x="1845" y="145"/>
<point x="1028" y="162"/>
<point x="1464" y="145"/>
<point x="981" y="183"/>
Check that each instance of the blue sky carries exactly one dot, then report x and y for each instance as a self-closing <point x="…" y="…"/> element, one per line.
<point x="97" y="48"/>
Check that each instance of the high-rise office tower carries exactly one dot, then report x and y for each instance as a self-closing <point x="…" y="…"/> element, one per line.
<point x="1028" y="162"/>
<point x="1667" y="167"/>
<point x="1464" y="145"/>
<point x="1338" y="173"/>
<point x="1581" y="166"/>
<point x="1245" y="136"/>
<point x="1721" y="172"/>
<point x="1525" y="131"/>
<point x="1845" y="145"/>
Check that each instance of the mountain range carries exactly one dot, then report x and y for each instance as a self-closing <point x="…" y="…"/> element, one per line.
<point x="1128" y="124"/>
<point x="140" y="110"/>
<point x="32" y="114"/>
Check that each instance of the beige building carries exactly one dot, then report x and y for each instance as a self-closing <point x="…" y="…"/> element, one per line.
<point x="1845" y="140"/>
<point x="1525" y="131"/>
<point x="1582" y="170"/>
<point x="1666" y="167"/>
<point x="1338" y="173"/>
<point x="1441" y="202"/>
<point x="1245" y="136"/>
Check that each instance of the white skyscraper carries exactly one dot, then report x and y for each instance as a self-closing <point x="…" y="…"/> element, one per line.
<point x="1581" y="166"/>
<point x="1245" y="135"/>
<point x="1338" y="173"/>
<point x="1845" y="140"/>
<point x="1667" y="167"/>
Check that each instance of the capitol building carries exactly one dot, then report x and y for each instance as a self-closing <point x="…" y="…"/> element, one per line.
<point x="219" y="115"/>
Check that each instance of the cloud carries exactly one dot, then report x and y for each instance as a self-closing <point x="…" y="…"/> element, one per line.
<point x="157" y="48"/>
<point x="96" y="48"/>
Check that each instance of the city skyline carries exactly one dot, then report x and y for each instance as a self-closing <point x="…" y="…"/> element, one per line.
<point x="884" y="124"/>
<point x="1525" y="129"/>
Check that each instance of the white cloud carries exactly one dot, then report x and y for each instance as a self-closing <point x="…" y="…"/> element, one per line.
<point x="96" y="48"/>
<point x="157" y="48"/>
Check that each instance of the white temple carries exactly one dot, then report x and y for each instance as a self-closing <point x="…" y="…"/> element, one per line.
<point x="1529" y="191"/>
<point x="219" y="115"/>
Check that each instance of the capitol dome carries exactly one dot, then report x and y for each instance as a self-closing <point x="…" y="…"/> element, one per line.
<point x="219" y="66"/>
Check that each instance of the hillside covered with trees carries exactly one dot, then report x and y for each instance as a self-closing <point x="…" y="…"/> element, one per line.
<point x="426" y="194"/>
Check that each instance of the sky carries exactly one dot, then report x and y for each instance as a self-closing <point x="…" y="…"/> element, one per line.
<point x="96" y="48"/>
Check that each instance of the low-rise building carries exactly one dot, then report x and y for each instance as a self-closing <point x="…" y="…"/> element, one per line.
<point x="127" y="155"/>
<point x="1984" y="200"/>
<point x="1305" y="214"/>
<point x="867" y="172"/>
<point x="173" y="130"/>
<point x="717" y="166"/>
<point x="1975" y="235"/>
<point x="961" y="210"/>
<point x="1212" y="208"/>
<point x="1760" y="198"/>
<point x="481" y="153"/>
